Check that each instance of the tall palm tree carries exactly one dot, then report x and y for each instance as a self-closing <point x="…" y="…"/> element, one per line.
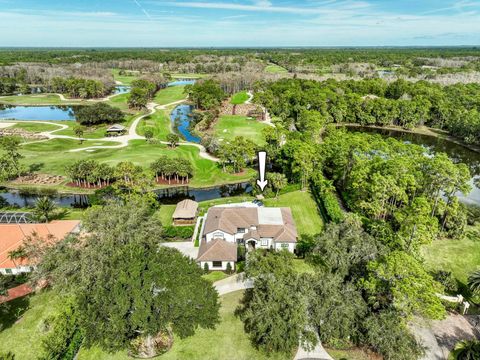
<point x="474" y="281"/>
<point x="44" y="208"/>
<point x="467" y="350"/>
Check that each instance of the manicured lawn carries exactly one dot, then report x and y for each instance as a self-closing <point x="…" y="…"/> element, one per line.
<point x="304" y="210"/>
<point x="239" y="98"/>
<point x="215" y="276"/>
<point x="159" y="122"/>
<point x="275" y="69"/>
<point x="165" y="213"/>
<point x="230" y="126"/>
<point x="188" y="76"/>
<point x="227" y="341"/>
<point x="124" y="79"/>
<point x="22" y="334"/>
<point x="46" y="155"/>
<point x="170" y="94"/>
<point x="460" y="256"/>
<point x="36" y="127"/>
<point x="43" y="99"/>
<point x="121" y="101"/>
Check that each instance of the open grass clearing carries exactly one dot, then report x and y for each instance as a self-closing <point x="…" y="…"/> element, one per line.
<point x="42" y="99"/>
<point x="215" y="276"/>
<point x="230" y="126"/>
<point x="125" y="79"/>
<point x="165" y="213"/>
<point x="239" y="98"/>
<point x="227" y="341"/>
<point x="304" y="210"/>
<point x="275" y="69"/>
<point x="170" y="94"/>
<point x="159" y="122"/>
<point x="460" y="256"/>
<point x="45" y="157"/>
<point x="36" y="127"/>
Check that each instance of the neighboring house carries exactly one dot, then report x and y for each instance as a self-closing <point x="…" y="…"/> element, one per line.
<point x="12" y="237"/>
<point x="116" y="129"/>
<point x="253" y="227"/>
<point x="185" y="213"/>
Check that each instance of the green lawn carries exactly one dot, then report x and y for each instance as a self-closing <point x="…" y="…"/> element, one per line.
<point x="170" y="94"/>
<point x="230" y="126"/>
<point x="43" y="99"/>
<point x="215" y="276"/>
<point x="36" y="127"/>
<point x="239" y="98"/>
<point x="304" y="210"/>
<point x="165" y="213"/>
<point x="121" y="101"/>
<point x="21" y="335"/>
<point x="227" y="341"/>
<point x="124" y="79"/>
<point x="188" y="75"/>
<point x="45" y="155"/>
<point x="460" y="256"/>
<point x="275" y="69"/>
<point x="159" y="122"/>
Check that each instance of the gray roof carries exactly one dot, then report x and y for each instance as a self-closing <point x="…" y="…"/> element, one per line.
<point x="116" y="127"/>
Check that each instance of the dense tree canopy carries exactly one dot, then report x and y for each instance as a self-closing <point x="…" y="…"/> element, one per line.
<point x="100" y="113"/>
<point x="205" y="94"/>
<point x="125" y="284"/>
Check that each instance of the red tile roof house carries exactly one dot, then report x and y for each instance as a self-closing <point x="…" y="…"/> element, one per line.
<point x="256" y="228"/>
<point x="12" y="237"/>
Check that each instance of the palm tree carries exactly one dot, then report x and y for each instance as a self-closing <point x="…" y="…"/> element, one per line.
<point x="474" y="281"/>
<point x="467" y="350"/>
<point x="278" y="182"/>
<point x="17" y="254"/>
<point x="44" y="207"/>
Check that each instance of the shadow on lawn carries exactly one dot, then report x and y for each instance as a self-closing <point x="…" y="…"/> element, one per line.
<point x="12" y="311"/>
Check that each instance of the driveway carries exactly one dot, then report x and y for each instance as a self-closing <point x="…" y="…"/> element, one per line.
<point x="187" y="248"/>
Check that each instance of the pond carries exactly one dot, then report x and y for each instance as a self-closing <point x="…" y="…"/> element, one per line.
<point x="121" y="89"/>
<point x="456" y="152"/>
<point x="165" y="196"/>
<point x="182" y="82"/>
<point x="180" y="118"/>
<point x="37" y="112"/>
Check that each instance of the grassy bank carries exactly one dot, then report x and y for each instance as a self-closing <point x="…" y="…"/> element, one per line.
<point x="230" y="126"/>
<point x="42" y="99"/>
<point x="170" y="94"/>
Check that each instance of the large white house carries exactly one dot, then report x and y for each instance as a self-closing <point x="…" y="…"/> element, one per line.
<point x="254" y="227"/>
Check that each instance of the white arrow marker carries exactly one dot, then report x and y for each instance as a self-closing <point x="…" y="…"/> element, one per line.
<point x="262" y="155"/>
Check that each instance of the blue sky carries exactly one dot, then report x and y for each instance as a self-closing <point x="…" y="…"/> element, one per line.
<point x="157" y="23"/>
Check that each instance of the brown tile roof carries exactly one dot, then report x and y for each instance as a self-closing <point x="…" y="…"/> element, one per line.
<point x="13" y="235"/>
<point x="186" y="209"/>
<point x="229" y="219"/>
<point x="217" y="250"/>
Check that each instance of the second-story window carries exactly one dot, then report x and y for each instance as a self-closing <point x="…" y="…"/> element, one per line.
<point x="241" y="230"/>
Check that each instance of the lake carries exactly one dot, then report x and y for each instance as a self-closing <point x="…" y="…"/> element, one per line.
<point x="182" y="82"/>
<point x="165" y="196"/>
<point x="37" y="112"/>
<point x="180" y="118"/>
<point x="121" y="89"/>
<point x="456" y="152"/>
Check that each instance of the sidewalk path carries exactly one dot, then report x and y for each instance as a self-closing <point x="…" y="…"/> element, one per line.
<point x="238" y="282"/>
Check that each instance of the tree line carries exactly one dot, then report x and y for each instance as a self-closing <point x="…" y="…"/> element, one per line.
<point x="307" y="105"/>
<point x="90" y="173"/>
<point x="143" y="90"/>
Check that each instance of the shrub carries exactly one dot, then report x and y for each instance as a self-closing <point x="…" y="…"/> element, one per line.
<point x="240" y="266"/>
<point x="447" y="279"/>
<point x="206" y="268"/>
<point x="241" y="252"/>
<point x="324" y="193"/>
<point x="229" y="269"/>
<point x="178" y="232"/>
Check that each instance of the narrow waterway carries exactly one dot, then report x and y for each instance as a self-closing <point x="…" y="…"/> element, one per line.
<point x="181" y="116"/>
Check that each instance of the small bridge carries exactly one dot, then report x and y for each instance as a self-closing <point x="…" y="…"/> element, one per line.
<point x="15" y="218"/>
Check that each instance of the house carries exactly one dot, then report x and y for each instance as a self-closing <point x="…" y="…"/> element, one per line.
<point x="12" y="237"/>
<point x="185" y="212"/>
<point x="116" y="129"/>
<point x="253" y="227"/>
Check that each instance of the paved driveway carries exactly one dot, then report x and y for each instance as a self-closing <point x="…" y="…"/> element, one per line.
<point x="185" y="247"/>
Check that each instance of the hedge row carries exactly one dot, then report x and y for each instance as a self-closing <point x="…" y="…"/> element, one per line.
<point x="325" y="194"/>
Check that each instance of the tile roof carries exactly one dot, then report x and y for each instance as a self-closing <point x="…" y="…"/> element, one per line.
<point x="13" y="235"/>
<point x="276" y="223"/>
<point x="217" y="250"/>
